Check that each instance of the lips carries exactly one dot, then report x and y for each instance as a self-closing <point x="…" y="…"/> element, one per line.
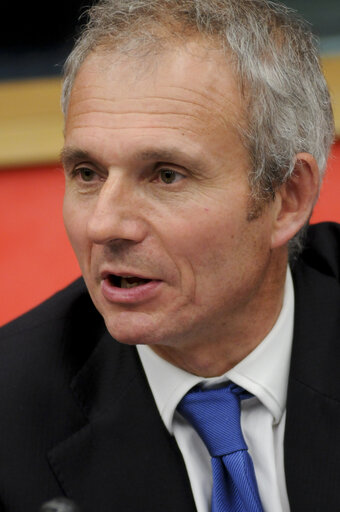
<point x="127" y="288"/>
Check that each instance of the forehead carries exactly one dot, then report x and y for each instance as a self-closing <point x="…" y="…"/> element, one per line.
<point x="191" y="89"/>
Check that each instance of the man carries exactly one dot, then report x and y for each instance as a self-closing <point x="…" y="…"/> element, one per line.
<point x="196" y="136"/>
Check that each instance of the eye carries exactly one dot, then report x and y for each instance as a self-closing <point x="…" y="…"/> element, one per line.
<point x="169" y="176"/>
<point x="85" y="174"/>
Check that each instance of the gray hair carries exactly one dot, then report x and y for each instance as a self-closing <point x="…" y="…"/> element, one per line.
<point x="277" y="65"/>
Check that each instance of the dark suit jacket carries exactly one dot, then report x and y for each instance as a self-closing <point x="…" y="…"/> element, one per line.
<point x="77" y="417"/>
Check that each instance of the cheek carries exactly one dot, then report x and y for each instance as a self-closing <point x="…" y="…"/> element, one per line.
<point x="203" y="248"/>
<point x="207" y="233"/>
<point x="218" y="244"/>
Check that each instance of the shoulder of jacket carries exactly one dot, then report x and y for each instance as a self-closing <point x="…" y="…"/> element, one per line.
<point x="322" y="249"/>
<point x="62" y="304"/>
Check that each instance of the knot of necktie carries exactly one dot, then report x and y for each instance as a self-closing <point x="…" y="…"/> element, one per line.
<point x="215" y="415"/>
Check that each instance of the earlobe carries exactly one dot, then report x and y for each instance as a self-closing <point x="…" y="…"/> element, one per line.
<point x="295" y="199"/>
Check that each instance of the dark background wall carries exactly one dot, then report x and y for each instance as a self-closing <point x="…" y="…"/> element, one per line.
<point x="35" y="37"/>
<point x="34" y="40"/>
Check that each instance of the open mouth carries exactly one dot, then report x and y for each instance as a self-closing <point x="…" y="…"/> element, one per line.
<point x="126" y="281"/>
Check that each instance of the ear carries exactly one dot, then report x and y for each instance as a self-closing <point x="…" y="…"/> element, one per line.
<point x="295" y="199"/>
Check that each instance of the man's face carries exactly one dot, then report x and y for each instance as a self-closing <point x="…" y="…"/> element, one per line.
<point x="157" y="198"/>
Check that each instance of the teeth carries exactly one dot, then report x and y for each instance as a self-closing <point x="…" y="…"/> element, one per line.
<point x="127" y="282"/>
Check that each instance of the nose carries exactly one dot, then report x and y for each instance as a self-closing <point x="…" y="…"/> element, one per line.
<point x="117" y="214"/>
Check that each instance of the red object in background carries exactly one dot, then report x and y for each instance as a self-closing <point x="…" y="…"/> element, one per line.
<point x="328" y="205"/>
<point x="36" y="258"/>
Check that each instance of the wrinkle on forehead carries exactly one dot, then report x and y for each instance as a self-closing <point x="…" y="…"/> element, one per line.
<point x="151" y="112"/>
<point x="212" y="74"/>
<point x="131" y="105"/>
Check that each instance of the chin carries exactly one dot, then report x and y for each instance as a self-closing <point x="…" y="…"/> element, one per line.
<point x="133" y="329"/>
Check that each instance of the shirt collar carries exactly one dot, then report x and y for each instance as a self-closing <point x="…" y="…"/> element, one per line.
<point x="264" y="372"/>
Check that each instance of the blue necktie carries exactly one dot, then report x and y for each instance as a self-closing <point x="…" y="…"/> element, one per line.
<point x="215" y="415"/>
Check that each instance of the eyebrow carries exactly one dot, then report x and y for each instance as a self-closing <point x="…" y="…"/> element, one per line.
<point x="158" y="154"/>
<point x="70" y="155"/>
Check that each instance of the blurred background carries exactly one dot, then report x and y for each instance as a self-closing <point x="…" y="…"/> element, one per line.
<point x="35" y="256"/>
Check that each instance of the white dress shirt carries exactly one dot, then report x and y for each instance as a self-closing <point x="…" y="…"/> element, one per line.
<point x="264" y="373"/>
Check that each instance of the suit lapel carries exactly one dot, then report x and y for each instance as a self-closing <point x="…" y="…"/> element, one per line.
<point x="123" y="459"/>
<point x="312" y="435"/>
